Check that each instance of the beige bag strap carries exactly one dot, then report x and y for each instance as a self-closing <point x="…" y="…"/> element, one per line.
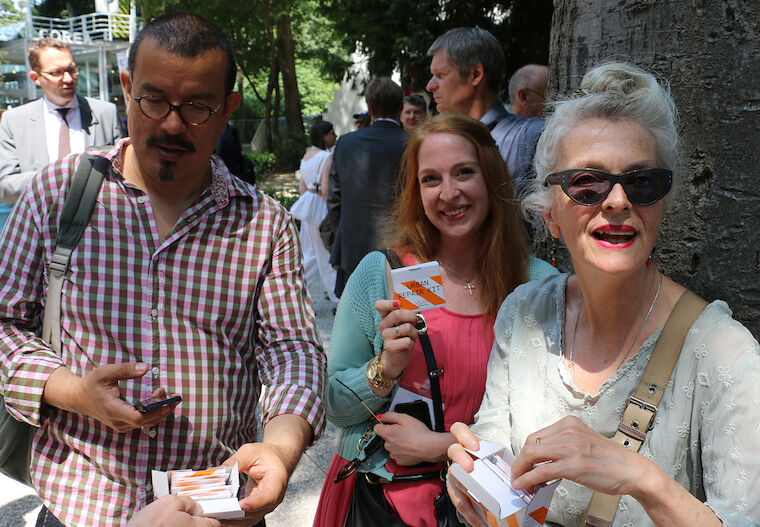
<point x="639" y="414"/>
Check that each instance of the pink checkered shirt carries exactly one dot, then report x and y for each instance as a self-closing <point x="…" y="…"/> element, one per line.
<point x="187" y="306"/>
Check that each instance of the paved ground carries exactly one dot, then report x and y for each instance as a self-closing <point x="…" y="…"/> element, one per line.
<point x="19" y="505"/>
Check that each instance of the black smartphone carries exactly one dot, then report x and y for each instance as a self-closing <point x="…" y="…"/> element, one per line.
<point x="417" y="409"/>
<point x="151" y="404"/>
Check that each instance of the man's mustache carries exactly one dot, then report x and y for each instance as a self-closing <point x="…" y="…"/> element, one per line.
<point x="171" y="140"/>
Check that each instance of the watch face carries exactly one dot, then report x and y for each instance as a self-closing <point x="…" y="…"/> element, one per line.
<point x="372" y="369"/>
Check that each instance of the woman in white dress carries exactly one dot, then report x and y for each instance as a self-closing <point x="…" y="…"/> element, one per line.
<point x="311" y="207"/>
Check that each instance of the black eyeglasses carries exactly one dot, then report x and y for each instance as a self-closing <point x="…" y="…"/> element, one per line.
<point x="58" y="74"/>
<point x="192" y="113"/>
<point x="587" y="186"/>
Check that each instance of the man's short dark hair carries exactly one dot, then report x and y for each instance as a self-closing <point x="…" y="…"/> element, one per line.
<point x="384" y="98"/>
<point x="468" y="46"/>
<point x="38" y="46"/>
<point x="416" y="100"/>
<point x="189" y="36"/>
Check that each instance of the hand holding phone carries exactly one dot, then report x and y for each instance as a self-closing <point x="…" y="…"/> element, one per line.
<point x="417" y="409"/>
<point x="153" y="403"/>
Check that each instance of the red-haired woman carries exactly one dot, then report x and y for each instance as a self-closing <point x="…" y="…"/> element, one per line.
<point x="456" y="207"/>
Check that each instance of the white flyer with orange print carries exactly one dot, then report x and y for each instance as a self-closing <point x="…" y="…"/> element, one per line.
<point x="419" y="287"/>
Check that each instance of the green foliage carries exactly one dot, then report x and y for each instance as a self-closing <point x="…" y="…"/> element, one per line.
<point x="288" y="150"/>
<point x="64" y="8"/>
<point x="10" y="13"/>
<point x="400" y="38"/>
<point x="263" y="163"/>
<point x="319" y="42"/>
<point x="286" y="199"/>
<point x="316" y="90"/>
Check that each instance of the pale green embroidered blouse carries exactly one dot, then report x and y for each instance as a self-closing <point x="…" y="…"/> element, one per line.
<point x="707" y="432"/>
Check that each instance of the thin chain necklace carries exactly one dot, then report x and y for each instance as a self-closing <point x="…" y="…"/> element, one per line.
<point x="468" y="286"/>
<point x="641" y="328"/>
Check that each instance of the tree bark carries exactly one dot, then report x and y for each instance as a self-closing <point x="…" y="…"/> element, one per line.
<point x="286" y="53"/>
<point x="273" y="76"/>
<point x="708" y="51"/>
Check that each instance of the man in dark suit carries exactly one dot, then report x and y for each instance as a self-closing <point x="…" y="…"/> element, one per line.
<point x="61" y="122"/>
<point x="363" y="178"/>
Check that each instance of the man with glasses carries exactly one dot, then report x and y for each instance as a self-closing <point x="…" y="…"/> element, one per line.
<point x="467" y="71"/>
<point x="61" y="122"/>
<point x="186" y="281"/>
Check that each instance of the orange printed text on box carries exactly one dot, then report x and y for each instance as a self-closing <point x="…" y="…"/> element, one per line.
<point x="419" y="287"/>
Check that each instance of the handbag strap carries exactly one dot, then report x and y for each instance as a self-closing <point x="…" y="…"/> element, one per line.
<point x="427" y="348"/>
<point x="641" y="410"/>
<point x="433" y="372"/>
<point x="75" y="215"/>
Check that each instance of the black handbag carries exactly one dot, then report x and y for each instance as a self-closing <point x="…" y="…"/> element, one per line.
<point x="16" y="436"/>
<point x="369" y="507"/>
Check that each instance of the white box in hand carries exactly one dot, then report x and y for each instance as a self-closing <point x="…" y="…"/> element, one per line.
<point x="489" y="486"/>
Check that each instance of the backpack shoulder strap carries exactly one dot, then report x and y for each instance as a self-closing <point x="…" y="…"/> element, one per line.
<point x="75" y="215"/>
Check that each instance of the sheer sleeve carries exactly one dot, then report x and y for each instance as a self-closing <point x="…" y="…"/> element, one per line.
<point x="727" y="388"/>
<point x="492" y="421"/>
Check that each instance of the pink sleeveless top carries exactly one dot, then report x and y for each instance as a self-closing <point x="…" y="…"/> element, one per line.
<point x="461" y="345"/>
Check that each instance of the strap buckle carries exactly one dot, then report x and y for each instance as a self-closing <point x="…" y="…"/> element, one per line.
<point x="645" y="406"/>
<point x="59" y="262"/>
<point x="421" y="325"/>
<point x="435" y="373"/>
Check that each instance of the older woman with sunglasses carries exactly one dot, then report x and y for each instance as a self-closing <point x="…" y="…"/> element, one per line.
<point x="569" y="351"/>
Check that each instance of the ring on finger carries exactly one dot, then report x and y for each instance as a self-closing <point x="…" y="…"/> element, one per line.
<point x="398" y="333"/>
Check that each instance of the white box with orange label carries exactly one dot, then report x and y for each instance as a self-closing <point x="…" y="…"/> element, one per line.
<point x="419" y="287"/>
<point x="488" y="484"/>
<point x="214" y="489"/>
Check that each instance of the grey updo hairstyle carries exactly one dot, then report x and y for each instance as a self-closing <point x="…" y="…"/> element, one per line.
<point x="614" y="91"/>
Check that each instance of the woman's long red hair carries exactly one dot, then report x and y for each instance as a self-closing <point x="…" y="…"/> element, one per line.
<point x="503" y="252"/>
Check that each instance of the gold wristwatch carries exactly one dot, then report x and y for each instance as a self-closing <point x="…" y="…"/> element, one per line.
<point x="375" y="374"/>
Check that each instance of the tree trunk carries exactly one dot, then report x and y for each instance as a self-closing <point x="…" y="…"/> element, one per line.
<point x="242" y="124"/>
<point x="277" y="103"/>
<point x="286" y="53"/>
<point x="273" y="75"/>
<point x="708" y="51"/>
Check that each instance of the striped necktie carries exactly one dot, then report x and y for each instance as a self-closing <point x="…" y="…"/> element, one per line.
<point x="64" y="144"/>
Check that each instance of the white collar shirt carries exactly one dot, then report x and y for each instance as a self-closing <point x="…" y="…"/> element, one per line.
<point x="53" y="120"/>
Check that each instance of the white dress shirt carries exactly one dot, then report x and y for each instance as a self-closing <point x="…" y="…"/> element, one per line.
<point x="53" y="122"/>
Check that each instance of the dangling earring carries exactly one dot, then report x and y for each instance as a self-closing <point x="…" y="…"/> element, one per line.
<point x="649" y="260"/>
<point x="554" y="251"/>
